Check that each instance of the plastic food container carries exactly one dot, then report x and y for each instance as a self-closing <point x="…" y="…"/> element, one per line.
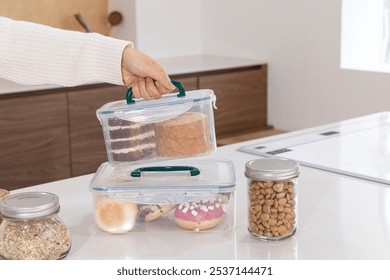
<point x="175" y="126"/>
<point x="169" y="196"/>
<point x="31" y="228"/>
<point x="272" y="197"/>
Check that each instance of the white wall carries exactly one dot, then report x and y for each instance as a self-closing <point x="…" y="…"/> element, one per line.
<point x="127" y="28"/>
<point x="299" y="38"/>
<point x="169" y="27"/>
<point x="365" y="35"/>
<point x="160" y="28"/>
<point x="301" y="41"/>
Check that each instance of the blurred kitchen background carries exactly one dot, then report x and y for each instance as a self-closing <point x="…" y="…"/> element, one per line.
<point x="275" y="66"/>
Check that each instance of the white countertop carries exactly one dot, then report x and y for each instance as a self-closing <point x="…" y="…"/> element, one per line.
<point x="173" y="65"/>
<point x="339" y="217"/>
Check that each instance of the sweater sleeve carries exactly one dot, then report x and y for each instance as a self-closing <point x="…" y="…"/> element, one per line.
<point x="34" y="54"/>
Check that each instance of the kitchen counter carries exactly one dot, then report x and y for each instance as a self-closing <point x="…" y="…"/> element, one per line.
<point x="174" y="66"/>
<point x="339" y="217"/>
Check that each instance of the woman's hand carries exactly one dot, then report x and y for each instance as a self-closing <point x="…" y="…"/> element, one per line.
<point x="144" y="74"/>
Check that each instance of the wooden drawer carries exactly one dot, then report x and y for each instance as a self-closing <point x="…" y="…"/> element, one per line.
<point x="241" y="99"/>
<point x="33" y="139"/>
<point x="86" y="135"/>
<point x="189" y="83"/>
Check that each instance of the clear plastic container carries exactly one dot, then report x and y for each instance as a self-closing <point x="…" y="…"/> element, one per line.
<point x="170" y="196"/>
<point x="31" y="228"/>
<point x="272" y="197"/>
<point x="175" y="126"/>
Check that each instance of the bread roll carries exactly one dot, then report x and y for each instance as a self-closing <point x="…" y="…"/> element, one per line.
<point x="115" y="216"/>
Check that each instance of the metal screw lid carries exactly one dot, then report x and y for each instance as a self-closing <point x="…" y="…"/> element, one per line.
<point x="29" y="205"/>
<point x="271" y="169"/>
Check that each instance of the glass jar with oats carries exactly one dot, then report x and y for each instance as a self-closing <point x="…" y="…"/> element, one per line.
<point x="31" y="228"/>
<point x="272" y="197"/>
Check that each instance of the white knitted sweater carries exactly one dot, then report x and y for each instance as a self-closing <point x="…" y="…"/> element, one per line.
<point x="34" y="54"/>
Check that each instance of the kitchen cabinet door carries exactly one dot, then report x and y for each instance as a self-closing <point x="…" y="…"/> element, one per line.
<point x="34" y="147"/>
<point x="86" y="135"/>
<point x="241" y="99"/>
<point x="189" y="83"/>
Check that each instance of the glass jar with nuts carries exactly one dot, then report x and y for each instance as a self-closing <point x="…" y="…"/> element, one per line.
<point x="272" y="197"/>
<point x="31" y="228"/>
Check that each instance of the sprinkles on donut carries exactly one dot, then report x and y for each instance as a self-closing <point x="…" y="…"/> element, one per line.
<point x="200" y="215"/>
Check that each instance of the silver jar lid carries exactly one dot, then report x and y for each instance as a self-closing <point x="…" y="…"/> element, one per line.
<point x="272" y="169"/>
<point x="29" y="205"/>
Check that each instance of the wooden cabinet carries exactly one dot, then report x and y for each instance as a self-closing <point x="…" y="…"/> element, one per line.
<point x="86" y="136"/>
<point x="241" y="98"/>
<point x="54" y="134"/>
<point x="34" y="142"/>
<point x="189" y="83"/>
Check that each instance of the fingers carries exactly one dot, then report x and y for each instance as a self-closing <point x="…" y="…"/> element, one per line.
<point x="162" y="89"/>
<point x="139" y="89"/>
<point x="136" y="92"/>
<point x="146" y="88"/>
<point x="142" y="89"/>
<point x="159" y="74"/>
<point x="151" y="89"/>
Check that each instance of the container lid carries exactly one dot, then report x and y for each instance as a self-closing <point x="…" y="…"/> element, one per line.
<point x="172" y="180"/>
<point x="155" y="110"/>
<point x="270" y="169"/>
<point x="29" y="205"/>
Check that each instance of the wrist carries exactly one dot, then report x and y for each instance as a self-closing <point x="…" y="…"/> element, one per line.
<point x="126" y="54"/>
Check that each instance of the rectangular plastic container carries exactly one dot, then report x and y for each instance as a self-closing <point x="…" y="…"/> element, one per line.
<point x="175" y="126"/>
<point x="169" y="196"/>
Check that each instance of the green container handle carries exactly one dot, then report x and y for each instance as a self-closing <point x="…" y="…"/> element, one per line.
<point x="182" y="92"/>
<point x="193" y="170"/>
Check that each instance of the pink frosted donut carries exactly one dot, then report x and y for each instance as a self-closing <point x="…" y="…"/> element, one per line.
<point x="200" y="215"/>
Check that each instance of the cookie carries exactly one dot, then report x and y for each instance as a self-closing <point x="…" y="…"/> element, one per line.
<point x="150" y="212"/>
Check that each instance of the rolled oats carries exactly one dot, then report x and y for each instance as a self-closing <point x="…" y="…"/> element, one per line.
<point x="38" y="239"/>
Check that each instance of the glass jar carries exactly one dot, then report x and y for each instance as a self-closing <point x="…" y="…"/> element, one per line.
<point x="272" y="197"/>
<point x="3" y="194"/>
<point x="31" y="228"/>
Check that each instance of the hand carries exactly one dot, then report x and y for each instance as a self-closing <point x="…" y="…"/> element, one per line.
<point x="145" y="75"/>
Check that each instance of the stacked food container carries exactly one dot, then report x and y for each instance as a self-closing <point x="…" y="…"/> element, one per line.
<point x="157" y="178"/>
